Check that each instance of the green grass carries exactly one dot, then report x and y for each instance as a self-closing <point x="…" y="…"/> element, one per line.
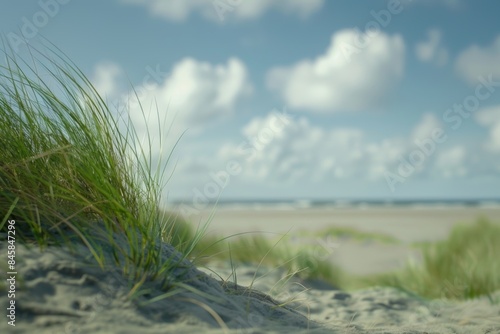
<point x="464" y="266"/>
<point x="352" y="233"/>
<point x="69" y="164"/>
<point x="305" y="261"/>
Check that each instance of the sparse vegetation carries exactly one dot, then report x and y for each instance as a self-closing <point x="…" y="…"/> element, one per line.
<point x="352" y="233"/>
<point x="464" y="266"/>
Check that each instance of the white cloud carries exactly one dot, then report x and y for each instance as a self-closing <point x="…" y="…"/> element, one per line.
<point x="452" y="4"/>
<point x="308" y="152"/>
<point x="196" y="92"/>
<point x="424" y="129"/>
<point x="479" y="61"/>
<point x="180" y="10"/>
<point x="303" y="153"/>
<point x="490" y="117"/>
<point x="451" y="162"/>
<point x="256" y="8"/>
<point x="106" y="78"/>
<point x="336" y="80"/>
<point x="431" y="50"/>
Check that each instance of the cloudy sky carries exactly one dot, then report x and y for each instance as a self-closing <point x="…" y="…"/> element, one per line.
<point x="295" y="99"/>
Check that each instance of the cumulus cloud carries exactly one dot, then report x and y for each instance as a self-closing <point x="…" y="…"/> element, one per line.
<point x="424" y="129"/>
<point x="452" y="4"/>
<point x="106" y="78"/>
<point x="303" y="151"/>
<point x="356" y="72"/>
<point x="451" y="162"/>
<point x="192" y="94"/>
<point x="180" y="10"/>
<point x="431" y="50"/>
<point x="196" y="92"/>
<point x="490" y="117"/>
<point x="479" y="61"/>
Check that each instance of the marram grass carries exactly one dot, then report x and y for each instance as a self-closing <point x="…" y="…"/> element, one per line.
<point x="67" y="165"/>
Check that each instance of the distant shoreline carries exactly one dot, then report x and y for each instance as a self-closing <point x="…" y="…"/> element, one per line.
<point x="291" y="204"/>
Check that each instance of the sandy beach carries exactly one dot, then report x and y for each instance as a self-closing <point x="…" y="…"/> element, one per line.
<point x="411" y="224"/>
<point x="64" y="292"/>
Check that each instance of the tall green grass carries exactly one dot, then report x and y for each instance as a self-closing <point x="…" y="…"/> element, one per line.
<point x="69" y="166"/>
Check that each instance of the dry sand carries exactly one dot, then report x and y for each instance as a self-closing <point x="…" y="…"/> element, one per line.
<point x="407" y="224"/>
<point x="65" y="293"/>
<point x="61" y="292"/>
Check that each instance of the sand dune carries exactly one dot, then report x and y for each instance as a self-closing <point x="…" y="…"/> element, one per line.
<point x="63" y="292"/>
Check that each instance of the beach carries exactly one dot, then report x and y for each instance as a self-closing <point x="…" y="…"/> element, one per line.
<point x="408" y="224"/>
<point x="64" y="292"/>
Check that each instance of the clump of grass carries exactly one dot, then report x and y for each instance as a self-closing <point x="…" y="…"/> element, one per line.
<point x="354" y="234"/>
<point x="67" y="165"/>
<point x="464" y="266"/>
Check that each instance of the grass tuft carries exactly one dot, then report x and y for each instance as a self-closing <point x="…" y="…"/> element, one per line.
<point x="361" y="236"/>
<point x="69" y="166"/>
<point x="464" y="266"/>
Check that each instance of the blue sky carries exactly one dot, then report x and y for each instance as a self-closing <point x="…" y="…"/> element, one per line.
<point x="295" y="99"/>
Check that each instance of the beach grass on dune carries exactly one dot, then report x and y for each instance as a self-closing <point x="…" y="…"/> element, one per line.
<point x="70" y="166"/>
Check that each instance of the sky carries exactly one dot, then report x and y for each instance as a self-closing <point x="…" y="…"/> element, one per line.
<point x="291" y="99"/>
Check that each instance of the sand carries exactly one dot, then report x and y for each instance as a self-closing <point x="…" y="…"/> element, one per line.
<point x="64" y="292"/>
<point x="409" y="225"/>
